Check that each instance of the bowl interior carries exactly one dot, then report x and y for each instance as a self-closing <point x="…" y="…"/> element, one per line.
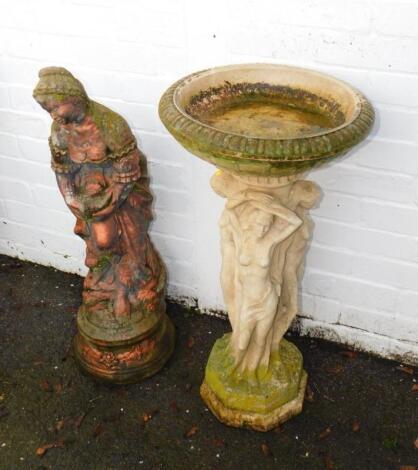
<point x="267" y="101"/>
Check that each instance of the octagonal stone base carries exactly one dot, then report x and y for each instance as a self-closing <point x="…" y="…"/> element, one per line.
<point x="261" y="399"/>
<point x="256" y="421"/>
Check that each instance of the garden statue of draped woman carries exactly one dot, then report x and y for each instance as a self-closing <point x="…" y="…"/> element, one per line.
<point x="124" y="333"/>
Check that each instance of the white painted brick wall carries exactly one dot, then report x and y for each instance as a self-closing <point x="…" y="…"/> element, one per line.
<point x="361" y="278"/>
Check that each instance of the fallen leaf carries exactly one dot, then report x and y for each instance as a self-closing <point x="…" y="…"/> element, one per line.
<point x="190" y="342"/>
<point x="174" y="406"/>
<point x="191" y="432"/>
<point x="356" y="425"/>
<point x="78" y="421"/>
<point x="59" y="425"/>
<point x="407" y="467"/>
<point x="278" y="429"/>
<point x="45" y="386"/>
<point x="407" y="370"/>
<point x="329" y="464"/>
<point x="58" y="388"/>
<point x="337" y="369"/>
<point x="349" y="354"/>
<point x="309" y="394"/>
<point x="98" y="429"/>
<point x="265" y="449"/>
<point x="416" y="443"/>
<point x="145" y="418"/>
<point x="218" y="442"/>
<point x="415" y="387"/>
<point x="326" y="432"/>
<point x="41" y="451"/>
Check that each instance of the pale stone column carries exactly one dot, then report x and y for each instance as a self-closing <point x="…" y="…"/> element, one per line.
<point x="264" y="228"/>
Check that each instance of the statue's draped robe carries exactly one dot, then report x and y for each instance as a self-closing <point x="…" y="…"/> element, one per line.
<point x="124" y="268"/>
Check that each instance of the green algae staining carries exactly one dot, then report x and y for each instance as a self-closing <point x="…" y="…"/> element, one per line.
<point x="269" y="121"/>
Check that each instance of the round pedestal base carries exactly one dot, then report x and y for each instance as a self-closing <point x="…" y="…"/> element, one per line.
<point x="259" y="399"/>
<point x="127" y="362"/>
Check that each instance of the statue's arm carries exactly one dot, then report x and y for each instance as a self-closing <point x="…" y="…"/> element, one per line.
<point x="283" y="228"/>
<point x="64" y="168"/>
<point x="126" y="171"/>
<point x="233" y="219"/>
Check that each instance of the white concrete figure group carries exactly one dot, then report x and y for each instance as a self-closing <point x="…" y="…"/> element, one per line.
<point x="264" y="230"/>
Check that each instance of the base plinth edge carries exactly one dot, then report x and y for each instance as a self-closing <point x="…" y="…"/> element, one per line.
<point x="251" y="420"/>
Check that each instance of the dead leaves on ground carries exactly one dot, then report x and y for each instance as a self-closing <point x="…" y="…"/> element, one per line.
<point x="191" y="432"/>
<point x="335" y="369"/>
<point x="190" y="342"/>
<point x="47" y="386"/>
<point x="356" y="425"/>
<point x="325" y="433"/>
<point x="406" y="369"/>
<point x="174" y="406"/>
<point x="42" y="450"/>
<point x="146" y="417"/>
<point x="59" y="425"/>
<point x="309" y="394"/>
<point x="98" y="429"/>
<point x="349" y="354"/>
<point x="265" y="449"/>
<point x="79" y="420"/>
<point x="329" y="464"/>
<point x="218" y="443"/>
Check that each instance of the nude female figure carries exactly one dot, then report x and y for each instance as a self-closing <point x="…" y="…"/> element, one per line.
<point x="258" y="224"/>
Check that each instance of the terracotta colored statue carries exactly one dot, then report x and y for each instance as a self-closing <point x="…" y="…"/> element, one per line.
<point x="124" y="333"/>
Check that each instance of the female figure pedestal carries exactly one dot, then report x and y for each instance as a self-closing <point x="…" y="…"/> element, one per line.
<point x="254" y="377"/>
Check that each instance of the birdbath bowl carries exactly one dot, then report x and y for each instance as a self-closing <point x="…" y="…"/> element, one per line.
<point x="263" y="126"/>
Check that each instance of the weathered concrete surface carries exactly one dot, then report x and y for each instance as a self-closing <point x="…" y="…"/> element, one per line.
<point x="45" y="399"/>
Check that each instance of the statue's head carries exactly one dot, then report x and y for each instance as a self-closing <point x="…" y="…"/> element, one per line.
<point x="306" y="193"/>
<point x="259" y="222"/>
<point x="61" y="94"/>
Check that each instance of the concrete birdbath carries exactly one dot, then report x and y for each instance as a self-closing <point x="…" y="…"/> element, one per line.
<point x="263" y="126"/>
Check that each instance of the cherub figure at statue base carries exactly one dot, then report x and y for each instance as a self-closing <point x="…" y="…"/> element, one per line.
<point x="255" y="378"/>
<point x="124" y="334"/>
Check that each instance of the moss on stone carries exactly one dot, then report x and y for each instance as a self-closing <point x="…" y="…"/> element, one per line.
<point x="260" y="391"/>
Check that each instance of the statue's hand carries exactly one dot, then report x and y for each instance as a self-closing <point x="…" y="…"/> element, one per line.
<point x="259" y="197"/>
<point x="95" y="205"/>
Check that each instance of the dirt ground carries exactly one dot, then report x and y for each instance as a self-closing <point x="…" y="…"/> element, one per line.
<point x="360" y="411"/>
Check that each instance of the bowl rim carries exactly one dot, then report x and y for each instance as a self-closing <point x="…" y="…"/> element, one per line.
<point x="182" y="83"/>
<point x="214" y="144"/>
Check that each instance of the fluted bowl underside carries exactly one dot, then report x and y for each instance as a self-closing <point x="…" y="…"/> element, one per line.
<point x="265" y="119"/>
